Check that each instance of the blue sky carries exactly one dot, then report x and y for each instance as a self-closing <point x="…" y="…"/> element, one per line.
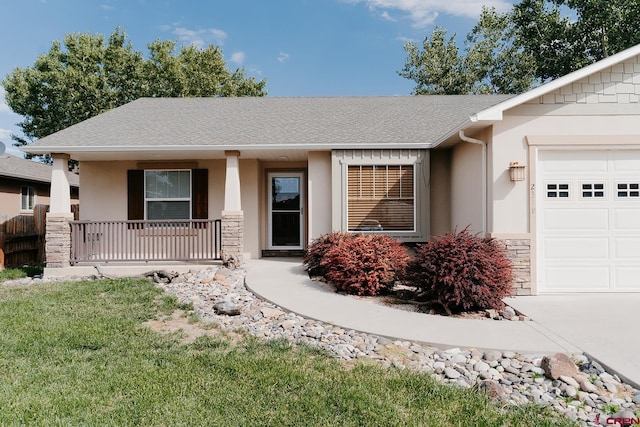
<point x="302" y="47"/>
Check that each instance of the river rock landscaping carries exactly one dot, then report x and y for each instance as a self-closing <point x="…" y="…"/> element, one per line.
<point x="575" y="386"/>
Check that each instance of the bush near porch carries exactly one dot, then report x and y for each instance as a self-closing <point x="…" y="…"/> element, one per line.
<point x="458" y="270"/>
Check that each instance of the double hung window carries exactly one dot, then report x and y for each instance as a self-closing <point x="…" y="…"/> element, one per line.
<point x="167" y="194"/>
<point x="27" y="199"/>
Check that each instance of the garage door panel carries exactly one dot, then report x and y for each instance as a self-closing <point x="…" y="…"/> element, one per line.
<point x="577" y="278"/>
<point x="574" y="219"/>
<point x="573" y="248"/>
<point x="626" y="219"/>
<point x="627" y="248"/>
<point x="629" y="162"/>
<point x="627" y="278"/>
<point x="566" y="161"/>
<point x="589" y="243"/>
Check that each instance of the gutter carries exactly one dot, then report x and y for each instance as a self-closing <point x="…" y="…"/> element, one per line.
<point x="483" y="144"/>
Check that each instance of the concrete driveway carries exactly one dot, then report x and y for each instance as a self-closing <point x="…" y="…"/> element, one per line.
<point x="603" y="326"/>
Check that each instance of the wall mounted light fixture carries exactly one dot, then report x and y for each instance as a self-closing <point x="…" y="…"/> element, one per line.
<point x="516" y="171"/>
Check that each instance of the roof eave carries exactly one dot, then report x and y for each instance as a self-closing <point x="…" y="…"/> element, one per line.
<point x="177" y="148"/>
<point x="496" y="112"/>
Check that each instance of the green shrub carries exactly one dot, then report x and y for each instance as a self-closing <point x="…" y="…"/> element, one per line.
<point x="365" y="264"/>
<point x="317" y="250"/>
<point x="462" y="272"/>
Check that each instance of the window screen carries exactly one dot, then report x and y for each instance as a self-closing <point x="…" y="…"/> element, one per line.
<point x="168" y="194"/>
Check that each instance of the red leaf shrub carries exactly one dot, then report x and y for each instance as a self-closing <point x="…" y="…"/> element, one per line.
<point x="365" y="264"/>
<point x="317" y="250"/>
<point x="462" y="272"/>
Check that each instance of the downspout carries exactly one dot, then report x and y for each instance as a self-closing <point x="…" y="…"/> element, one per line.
<point x="465" y="138"/>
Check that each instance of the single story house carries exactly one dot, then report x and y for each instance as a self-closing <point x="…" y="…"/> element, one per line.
<point x="24" y="184"/>
<point x="554" y="173"/>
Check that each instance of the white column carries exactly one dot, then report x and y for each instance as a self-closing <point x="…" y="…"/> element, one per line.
<point x="60" y="193"/>
<point x="232" y="183"/>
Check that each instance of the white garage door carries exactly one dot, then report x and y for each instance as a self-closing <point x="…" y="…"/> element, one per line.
<point x="589" y="221"/>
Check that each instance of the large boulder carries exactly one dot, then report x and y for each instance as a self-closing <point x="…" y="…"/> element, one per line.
<point x="558" y="365"/>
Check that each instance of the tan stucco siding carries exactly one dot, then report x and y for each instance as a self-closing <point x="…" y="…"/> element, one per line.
<point x="466" y="187"/>
<point x="250" y="185"/>
<point x="319" y="194"/>
<point x="440" y="190"/>
<point x="104" y="194"/>
<point x="11" y="197"/>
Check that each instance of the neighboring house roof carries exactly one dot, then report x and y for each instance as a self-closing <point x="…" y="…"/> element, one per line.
<point x="269" y="123"/>
<point x="19" y="168"/>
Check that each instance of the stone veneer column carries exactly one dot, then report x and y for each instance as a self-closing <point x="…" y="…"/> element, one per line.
<point x="519" y="253"/>
<point x="232" y="215"/>
<point x="58" y="231"/>
<point x="233" y="235"/>
<point x="58" y="240"/>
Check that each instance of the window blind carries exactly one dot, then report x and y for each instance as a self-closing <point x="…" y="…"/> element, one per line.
<point x="380" y="198"/>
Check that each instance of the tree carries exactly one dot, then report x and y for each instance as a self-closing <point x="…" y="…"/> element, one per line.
<point x="84" y="77"/>
<point x="491" y="62"/>
<point x="565" y="35"/>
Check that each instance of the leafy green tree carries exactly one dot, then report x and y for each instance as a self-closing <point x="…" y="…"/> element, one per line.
<point x="565" y="35"/>
<point x="437" y="67"/>
<point x="84" y="76"/>
<point x="491" y="62"/>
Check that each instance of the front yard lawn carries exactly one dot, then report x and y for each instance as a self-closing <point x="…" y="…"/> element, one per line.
<point x="77" y="353"/>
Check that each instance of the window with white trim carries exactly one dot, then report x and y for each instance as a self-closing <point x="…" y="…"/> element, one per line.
<point x="557" y="190"/>
<point x="628" y="189"/>
<point x="167" y="194"/>
<point x="28" y="198"/>
<point x="381" y="198"/>
<point x="592" y="190"/>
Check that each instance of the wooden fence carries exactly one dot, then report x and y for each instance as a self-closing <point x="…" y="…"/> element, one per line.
<point x="22" y="238"/>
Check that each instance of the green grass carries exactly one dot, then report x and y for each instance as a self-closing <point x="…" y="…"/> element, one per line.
<point x="19" y="273"/>
<point x="75" y="353"/>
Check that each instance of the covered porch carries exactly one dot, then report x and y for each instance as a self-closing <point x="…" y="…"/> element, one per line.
<point x="95" y="240"/>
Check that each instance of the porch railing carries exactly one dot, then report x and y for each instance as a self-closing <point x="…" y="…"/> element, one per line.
<point x="115" y="241"/>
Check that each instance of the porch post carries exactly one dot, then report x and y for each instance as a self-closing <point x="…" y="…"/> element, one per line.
<point x="58" y="229"/>
<point x="232" y="215"/>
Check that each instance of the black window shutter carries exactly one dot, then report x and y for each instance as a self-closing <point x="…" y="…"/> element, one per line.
<point x="135" y="194"/>
<point x="200" y="194"/>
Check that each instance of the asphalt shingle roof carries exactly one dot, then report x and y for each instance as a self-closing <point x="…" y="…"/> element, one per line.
<point x="19" y="168"/>
<point x="149" y="122"/>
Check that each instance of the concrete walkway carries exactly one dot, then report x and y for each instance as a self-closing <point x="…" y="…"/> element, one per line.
<point x="553" y="329"/>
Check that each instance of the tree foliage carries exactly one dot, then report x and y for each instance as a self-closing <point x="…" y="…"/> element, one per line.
<point x="491" y="61"/>
<point x="565" y="35"/>
<point x="510" y="52"/>
<point x="84" y="76"/>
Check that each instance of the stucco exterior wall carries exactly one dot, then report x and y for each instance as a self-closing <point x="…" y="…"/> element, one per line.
<point x="250" y="185"/>
<point x="440" y="189"/>
<point x="319" y="193"/>
<point x="11" y="196"/>
<point x="466" y="187"/>
<point x="510" y="201"/>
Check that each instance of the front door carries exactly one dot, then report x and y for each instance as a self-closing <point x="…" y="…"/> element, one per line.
<point x="286" y="210"/>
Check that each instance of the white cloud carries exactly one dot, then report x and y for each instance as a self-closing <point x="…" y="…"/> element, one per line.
<point x="385" y="15"/>
<point x="425" y="12"/>
<point x="283" y="57"/>
<point x="237" y="57"/>
<point x="200" y="37"/>
<point x="107" y="7"/>
<point x="5" y="135"/>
